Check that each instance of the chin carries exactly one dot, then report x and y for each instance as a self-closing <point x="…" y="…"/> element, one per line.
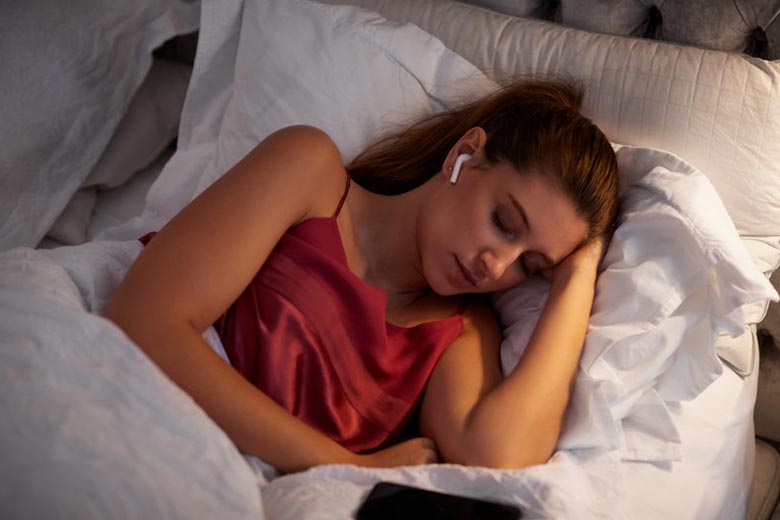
<point x="441" y="287"/>
<point x="438" y="283"/>
<point x="449" y="291"/>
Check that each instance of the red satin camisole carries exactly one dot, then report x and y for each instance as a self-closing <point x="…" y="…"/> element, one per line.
<point x="312" y="335"/>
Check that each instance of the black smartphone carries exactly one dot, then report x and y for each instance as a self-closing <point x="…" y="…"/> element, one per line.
<point x="389" y="501"/>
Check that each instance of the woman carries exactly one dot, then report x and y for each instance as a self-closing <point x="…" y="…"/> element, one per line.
<point x="344" y="306"/>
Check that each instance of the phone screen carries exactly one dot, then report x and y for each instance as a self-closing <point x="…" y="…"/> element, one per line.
<point x="388" y="501"/>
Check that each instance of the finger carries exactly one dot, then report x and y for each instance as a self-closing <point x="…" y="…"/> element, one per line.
<point x="428" y="443"/>
<point x="433" y="457"/>
<point x="433" y="452"/>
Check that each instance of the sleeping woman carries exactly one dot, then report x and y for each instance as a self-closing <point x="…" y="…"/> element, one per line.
<point x="350" y="300"/>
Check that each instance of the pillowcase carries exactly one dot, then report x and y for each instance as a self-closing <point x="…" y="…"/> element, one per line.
<point x="71" y="226"/>
<point x="347" y="71"/>
<point x="117" y="206"/>
<point x="69" y="72"/>
<point x="675" y="277"/>
<point x="147" y="128"/>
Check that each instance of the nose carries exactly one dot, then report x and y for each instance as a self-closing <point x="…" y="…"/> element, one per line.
<point x="495" y="262"/>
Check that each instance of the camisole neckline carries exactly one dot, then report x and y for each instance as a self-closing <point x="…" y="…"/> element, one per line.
<point x="341" y="253"/>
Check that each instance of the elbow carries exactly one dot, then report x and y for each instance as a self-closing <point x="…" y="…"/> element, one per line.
<point x="498" y="451"/>
<point x="517" y="458"/>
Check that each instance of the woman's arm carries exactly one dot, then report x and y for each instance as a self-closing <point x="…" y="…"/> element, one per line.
<point x="476" y="418"/>
<point x="201" y="261"/>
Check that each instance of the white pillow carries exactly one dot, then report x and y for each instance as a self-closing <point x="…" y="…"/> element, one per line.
<point x="146" y="129"/>
<point x="115" y="207"/>
<point x="71" y="226"/>
<point x="345" y="70"/>
<point x="69" y="70"/>
<point x="675" y="277"/>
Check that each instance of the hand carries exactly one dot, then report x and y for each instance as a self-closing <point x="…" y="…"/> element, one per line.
<point x="584" y="260"/>
<point x="413" y="452"/>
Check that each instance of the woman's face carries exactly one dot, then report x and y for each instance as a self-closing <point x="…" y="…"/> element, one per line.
<point x="494" y="229"/>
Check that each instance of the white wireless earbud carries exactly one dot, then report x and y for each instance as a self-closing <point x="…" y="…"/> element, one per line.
<point x="458" y="164"/>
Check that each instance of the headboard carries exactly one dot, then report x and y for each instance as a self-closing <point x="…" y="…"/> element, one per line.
<point x="749" y="26"/>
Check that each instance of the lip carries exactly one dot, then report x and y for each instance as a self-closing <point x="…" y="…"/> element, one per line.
<point x="466" y="273"/>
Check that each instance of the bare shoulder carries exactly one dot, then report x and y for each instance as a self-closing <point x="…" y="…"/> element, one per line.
<point x="480" y="338"/>
<point x="311" y="165"/>
<point x="480" y="321"/>
<point x="226" y="233"/>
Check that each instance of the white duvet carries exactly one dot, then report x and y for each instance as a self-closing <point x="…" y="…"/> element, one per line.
<point x="90" y="427"/>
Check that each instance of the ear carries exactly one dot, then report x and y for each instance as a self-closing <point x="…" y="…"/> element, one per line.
<point x="472" y="143"/>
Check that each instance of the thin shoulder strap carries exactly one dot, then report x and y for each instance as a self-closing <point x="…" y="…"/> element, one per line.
<point x="343" y="198"/>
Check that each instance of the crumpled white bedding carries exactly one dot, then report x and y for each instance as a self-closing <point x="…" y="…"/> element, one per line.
<point x="70" y="70"/>
<point x="676" y="276"/>
<point x="562" y="488"/>
<point x="91" y="428"/>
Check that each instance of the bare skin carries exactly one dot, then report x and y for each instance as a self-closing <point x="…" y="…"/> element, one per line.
<point x="437" y="241"/>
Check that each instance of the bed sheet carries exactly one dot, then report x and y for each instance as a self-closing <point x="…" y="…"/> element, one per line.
<point x="714" y="478"/>
<point x="712" y="481"/>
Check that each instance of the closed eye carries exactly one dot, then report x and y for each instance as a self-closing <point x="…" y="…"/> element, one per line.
<point x="501" y="227"/>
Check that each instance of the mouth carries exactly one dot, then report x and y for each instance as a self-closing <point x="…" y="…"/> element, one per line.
<point x="466" y="273"/>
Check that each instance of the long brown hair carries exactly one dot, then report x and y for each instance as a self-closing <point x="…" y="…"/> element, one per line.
<point x="532" y="125"/>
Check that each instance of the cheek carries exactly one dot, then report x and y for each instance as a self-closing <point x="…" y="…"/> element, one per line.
<point x="458" y="226"/>
<point x="433" y="249"/>
<point x="447" y="228"/>
<point x="472" y="229"/>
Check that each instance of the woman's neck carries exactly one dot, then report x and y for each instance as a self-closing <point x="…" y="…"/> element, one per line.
<point x="385" y="244"/>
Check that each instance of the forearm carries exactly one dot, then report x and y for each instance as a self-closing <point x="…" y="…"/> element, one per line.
<point x="253" y="421"/>
<point x="517" y="424"/>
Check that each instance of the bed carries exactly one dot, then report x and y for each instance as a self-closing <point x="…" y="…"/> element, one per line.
<point x="661" y="420"/>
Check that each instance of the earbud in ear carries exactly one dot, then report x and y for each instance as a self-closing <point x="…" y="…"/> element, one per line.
<point x="458" y="164"/>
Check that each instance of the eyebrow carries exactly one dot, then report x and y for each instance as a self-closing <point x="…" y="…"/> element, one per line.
<point x="524" y="216"/>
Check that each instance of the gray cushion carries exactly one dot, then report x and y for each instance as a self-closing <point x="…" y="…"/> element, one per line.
<point x="767" y="411"/>
<point x="766" y="482"/>
<point x="750" y="26"/>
